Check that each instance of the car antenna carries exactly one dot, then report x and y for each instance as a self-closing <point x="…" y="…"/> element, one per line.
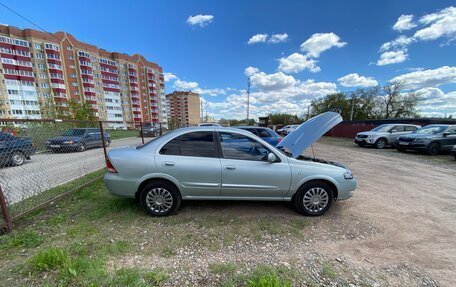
<point x="312" y="150"/>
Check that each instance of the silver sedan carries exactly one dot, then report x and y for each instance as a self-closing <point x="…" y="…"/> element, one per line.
<point x="217" y="163"/>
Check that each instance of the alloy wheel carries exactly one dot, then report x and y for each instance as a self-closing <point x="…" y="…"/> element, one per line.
<point x="17" y="158"/>
<point x="159" y="200"/>
<point x="315" y="199"/>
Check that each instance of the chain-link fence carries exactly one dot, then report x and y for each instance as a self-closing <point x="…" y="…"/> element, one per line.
<point x="42" y="160"/>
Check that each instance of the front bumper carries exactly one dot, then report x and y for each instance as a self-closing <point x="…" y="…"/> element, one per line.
<point x="411" y="145"/>
<point x="62" y="146"/>
<point x="366" y="141"/>
<point x="453" y="153"/>
<point x="346" y="188"/>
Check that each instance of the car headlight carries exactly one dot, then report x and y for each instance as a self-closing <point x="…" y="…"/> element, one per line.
<point x="422" y="140"/>
<point x="371" y="136"/>
<point x="348" y="174"/>
<point x="68" y="142"/>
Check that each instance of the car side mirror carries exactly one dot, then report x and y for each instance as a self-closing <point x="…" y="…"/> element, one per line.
<point x="393" y="131"/>
<point x="272" y="157"/>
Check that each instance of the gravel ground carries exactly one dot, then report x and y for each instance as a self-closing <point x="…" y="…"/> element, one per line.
<point x="397" y="230"/>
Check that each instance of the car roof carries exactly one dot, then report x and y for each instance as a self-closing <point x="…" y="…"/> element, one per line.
<point x="250" y="127"/>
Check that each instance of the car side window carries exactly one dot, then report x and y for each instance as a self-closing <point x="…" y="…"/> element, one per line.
<point x="262" y="133"/>
<point x="410" y="128"/>
<point x="199" y="144"/>
<point x="398" y="128"/>
<point x="451" y="130"/>
<point x="237" y="146"/>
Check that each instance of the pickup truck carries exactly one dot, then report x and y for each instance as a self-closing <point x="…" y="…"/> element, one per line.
<point x="14" y="150"/>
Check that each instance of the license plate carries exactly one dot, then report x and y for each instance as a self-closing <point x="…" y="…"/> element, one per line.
<point x="403" y="143"/>
<point x="55" y="146"/>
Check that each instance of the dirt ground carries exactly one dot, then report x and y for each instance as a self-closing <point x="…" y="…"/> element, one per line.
<point x="410" y="205"/>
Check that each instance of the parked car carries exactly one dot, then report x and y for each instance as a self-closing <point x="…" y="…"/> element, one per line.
<point x="15" y="150"/>
<point x="431" y="138"/>
<point x="384" y="135"/>
<point x="78" y="139"/>
<point x="208" y="125"/>
<point x="150" y="131"/>
<point x="266" y="134"/>
<point x="287" y="129"/>
<point x="453" y="151"/>
<point x="219" y="163"/>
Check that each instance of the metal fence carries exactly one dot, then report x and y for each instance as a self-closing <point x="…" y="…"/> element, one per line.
<point x="43" y="160"/>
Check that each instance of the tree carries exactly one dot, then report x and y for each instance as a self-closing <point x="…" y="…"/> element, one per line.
<point x="394" y="104"/>
<point x="81" y="111"/>
<point x="284" y="119"/>
<point x="334" y="102"/>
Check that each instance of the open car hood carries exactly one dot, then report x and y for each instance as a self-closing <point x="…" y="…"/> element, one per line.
<point x="309" y="132"/>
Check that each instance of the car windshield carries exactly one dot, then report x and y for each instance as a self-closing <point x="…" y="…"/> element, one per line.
<point x="74" y="133"/>
<point x="382" y="128"/>
<point x="431" y="130"/>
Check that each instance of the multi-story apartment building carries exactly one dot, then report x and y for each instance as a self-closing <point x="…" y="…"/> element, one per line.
<point x="38" y="68"/>
<point x="183" y="108"/>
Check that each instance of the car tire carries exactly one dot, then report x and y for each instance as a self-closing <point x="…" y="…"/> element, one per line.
<point x="160" y="198"/>
<point x="17" y="158"/>
<point x="380" y="143"/>
<point x="433" y="149"/>
<point x="401" y="149"/>
<point x="314" y="198"/>
<point x="81" y="147"/>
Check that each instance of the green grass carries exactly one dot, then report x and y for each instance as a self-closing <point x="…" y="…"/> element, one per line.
<point x="27" y="238"/>
<point x="223" y="268"/>
<point x="263" y="276"/>
<point x="328" y="271"/>
<point x="120" y="134"/>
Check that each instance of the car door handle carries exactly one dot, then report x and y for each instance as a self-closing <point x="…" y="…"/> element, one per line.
<point x="229" y="167"/>
<point x="168" y="163"/>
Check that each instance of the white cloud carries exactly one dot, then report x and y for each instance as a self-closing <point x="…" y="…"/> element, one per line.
<point x="271" y="82"/>
<point x="258" y="38"/>
<point x="400" y="43"/>
<point x="321" y="42"/>
<point x="296" y="63"/>
<point x="210" y="92"/>
<point x="184" y="85"/>
<point x="428" y="78"/>
<point x="278" y="38"/>
<point x="404" y="22"/>
<point x="249" y="71"/>
<point x="355" y="80"/>
<point x="441" y="23"/>
<point x="434" y="102"/>
<point x="392" y="57"/>
<point x="200" y="20"/>
<point x="169" y="77"/>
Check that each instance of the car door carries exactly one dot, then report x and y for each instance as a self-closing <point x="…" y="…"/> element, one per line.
<point x="193" y="160"/>
<point x="449" y="140"/>
<point x="398" y="131"/>
<point x="246" y="173"/>
<point x="90" y="138"/>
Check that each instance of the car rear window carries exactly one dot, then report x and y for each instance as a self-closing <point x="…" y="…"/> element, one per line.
<point x="199" y="144"/>
<point x="263" y="133"/>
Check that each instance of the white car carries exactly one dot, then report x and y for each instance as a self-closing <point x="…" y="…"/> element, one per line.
<point x="287" y="129"/>
<point x="384" y="135"/>
<point x="208" y="125"/>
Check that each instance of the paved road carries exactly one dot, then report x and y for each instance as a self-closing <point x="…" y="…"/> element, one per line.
<point x="48" y="170"/>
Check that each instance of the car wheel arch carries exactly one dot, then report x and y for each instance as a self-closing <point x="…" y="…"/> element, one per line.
<point x="326" y="180"/>
<point x="155" y="179"/>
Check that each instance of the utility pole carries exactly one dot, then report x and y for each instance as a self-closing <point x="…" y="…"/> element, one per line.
<point x="248" y="99"/>
<point x="202" y="111"/>
<point x="352" y="107"/>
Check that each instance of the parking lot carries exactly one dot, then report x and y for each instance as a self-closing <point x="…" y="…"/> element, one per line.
<point x="397" y="230"/>
<point x="47" y="170"/>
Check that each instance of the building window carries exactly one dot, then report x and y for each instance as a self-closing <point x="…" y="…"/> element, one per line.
<point x="39" y="56"/>
<point x="69" y="48"/>
<point x="71" y="57"/>
<point x="73" y="75"/>
<point x="75" y="84"/>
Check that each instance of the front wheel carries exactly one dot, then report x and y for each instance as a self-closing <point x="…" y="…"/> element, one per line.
<point x="314" y="198"/>
<point x="17" y="158"/>
<point x="160" y="199"/>
<point x="81" y="147"/>
<point x="380" y="143"/>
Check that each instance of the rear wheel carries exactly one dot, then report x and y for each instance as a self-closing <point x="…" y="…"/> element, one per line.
<point x="160" y="199"/>
<point x="380" y="143"/>
<point x="17" y="158"/>
<point x="314" y="198"/>
<point x="433" y="149"/>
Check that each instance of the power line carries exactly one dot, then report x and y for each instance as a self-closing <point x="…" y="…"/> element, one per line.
<point x="23" y="17"/>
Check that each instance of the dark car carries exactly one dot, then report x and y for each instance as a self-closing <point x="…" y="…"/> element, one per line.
<point x="150" y="131"/>
<point x="431" y="139"/>
<point x="266" y="134"/>
<point x="15" y="150"/>
<point x="78" y="139"/>
<point x="453" y="152"/>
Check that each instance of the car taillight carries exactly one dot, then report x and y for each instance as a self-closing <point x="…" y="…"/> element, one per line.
<point x="110" y="167"/>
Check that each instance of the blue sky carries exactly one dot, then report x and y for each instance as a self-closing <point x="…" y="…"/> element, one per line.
<point x="302" y="49"/>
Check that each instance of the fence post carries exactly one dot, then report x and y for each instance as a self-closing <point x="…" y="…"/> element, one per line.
<point x="5" y="212"/>
<point x="103" y="139"/>
<point x="142" y="134"/>
<point x="161" y="130"/>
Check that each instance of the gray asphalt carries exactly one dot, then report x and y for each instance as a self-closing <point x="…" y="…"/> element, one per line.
<point x="48" y="170"/>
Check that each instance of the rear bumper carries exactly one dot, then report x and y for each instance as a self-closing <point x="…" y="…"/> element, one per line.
<point x="120" y="186"/>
